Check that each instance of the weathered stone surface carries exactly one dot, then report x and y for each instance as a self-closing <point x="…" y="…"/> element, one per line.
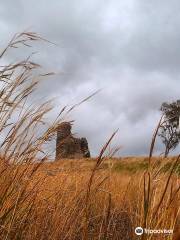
<point x="67" y="146"/>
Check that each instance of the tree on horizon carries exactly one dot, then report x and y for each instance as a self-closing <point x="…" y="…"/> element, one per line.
<point x="169" y="130"/>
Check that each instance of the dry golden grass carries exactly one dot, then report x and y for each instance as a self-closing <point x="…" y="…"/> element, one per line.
<point x="101" y="198"/>
<point x="51" y="203"/>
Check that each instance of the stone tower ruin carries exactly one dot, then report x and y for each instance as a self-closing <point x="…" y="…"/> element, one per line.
<point x="67" y="146"/>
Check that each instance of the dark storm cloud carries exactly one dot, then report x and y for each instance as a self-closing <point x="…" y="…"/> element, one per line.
<point x="128" y="48"/>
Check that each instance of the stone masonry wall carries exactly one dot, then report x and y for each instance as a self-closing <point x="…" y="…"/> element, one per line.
<point x="67" y="146"/>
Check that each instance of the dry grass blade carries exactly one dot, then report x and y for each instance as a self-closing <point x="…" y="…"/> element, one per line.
<point x="166" y="185"/>
<point x="90" y="182"/>
<point x="22" y="143"/>
<point x="154" y="140"/>
<point x="84" y="100"/>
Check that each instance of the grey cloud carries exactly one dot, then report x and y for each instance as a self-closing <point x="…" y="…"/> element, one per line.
<point x="128" y="48"/>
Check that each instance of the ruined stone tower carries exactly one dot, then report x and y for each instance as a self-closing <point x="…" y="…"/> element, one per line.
<point x="67" y="146"/>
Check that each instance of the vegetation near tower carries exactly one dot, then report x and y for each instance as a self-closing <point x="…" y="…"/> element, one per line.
<point x="170" y="128"/>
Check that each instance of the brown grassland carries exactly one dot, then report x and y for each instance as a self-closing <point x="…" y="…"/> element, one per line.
<point x="50" y="202"/>
<point x="102" y="198"/>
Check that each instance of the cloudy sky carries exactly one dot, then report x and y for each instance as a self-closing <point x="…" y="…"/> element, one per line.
<point x="128" y="48"/>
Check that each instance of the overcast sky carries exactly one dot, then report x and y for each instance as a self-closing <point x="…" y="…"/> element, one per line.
<point x="128" y="48"/>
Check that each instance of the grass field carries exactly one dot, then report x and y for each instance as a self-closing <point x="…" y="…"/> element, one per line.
<point x="102" y="198"/>
<point x="53" y="200"/>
